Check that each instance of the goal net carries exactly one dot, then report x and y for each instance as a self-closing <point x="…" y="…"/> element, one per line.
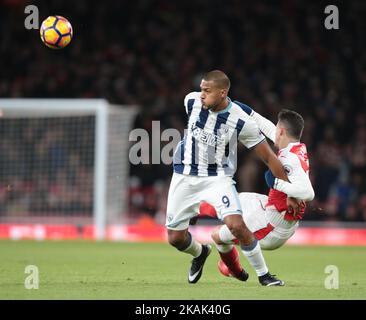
<point x="64" y="161"/>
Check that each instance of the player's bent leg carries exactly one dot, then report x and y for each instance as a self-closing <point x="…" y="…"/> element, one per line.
<point x="178" y="238"/>
<point x="251" y="249"/>
<point x="215" y="235"/>
<point x="229" y="264"/>
<point x="270" y="243"/>
<point x="183" y="241"/>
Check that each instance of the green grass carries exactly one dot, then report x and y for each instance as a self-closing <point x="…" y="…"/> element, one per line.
<point x="89" y="270"/>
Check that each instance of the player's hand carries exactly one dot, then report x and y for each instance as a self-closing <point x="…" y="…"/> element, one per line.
<point x="294" y="206"/>
<point x="270" y="178"/>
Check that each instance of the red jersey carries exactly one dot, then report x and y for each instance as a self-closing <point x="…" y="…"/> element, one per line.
<point x="294" y="158"/>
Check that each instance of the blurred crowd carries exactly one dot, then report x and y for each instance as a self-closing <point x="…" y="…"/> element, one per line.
<point x="151" y="53"/>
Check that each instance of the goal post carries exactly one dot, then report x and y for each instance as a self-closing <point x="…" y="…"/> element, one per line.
<point x="64" y="161"/>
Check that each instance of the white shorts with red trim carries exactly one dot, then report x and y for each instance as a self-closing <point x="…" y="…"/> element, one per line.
<point x="266" y="223"/>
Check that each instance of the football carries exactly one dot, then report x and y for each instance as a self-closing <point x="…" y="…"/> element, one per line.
<point x="56" y="32"/>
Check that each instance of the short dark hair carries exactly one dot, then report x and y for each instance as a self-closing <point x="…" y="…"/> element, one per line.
<point x="293" y="122"/>
<point x="219" y="77"/>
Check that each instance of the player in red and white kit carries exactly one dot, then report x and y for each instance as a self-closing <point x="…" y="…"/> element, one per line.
<point x="268" y="217"/>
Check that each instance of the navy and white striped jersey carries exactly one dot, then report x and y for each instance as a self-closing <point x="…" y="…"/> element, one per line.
<point x="209" y="146"/>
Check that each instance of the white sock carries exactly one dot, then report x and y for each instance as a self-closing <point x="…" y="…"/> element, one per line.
<point x="225" y="235"/>
<point x="194" y="248"/>
<point x="223" y="248"/>
<point x="255" y="257"/>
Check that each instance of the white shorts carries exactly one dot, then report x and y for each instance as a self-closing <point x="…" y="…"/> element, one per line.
<point x="265" y="222"/>
<point x="186" y="192"/>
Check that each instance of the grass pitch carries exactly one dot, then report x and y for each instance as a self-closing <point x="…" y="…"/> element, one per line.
<point x="107" y="270"/>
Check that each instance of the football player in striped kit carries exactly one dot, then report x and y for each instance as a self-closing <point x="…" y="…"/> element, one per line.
<point x="204" y="164"/>
<point x="268" y="217"/>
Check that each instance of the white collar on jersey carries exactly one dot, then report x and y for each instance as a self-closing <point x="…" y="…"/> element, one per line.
<point x="225" y="110"/>
<point x="290" y="145"/>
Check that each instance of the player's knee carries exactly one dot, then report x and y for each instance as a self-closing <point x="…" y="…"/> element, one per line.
<point x="215" y="235"/>
<point x="240" y="231"/>
<point x="236" y="227"/>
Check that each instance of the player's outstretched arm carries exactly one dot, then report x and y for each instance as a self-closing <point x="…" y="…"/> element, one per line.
<point x="266" y="126"/>
<point x="264" y="151"/>
<point x="300" y="186"/>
